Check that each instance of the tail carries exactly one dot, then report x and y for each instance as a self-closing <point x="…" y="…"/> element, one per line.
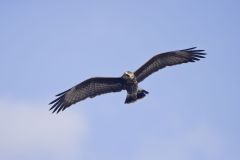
<point x="132" y="97"/>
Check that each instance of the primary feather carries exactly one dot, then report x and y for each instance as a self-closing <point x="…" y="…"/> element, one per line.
<point x="168" y="59"/>
<point x="89" y="88"/>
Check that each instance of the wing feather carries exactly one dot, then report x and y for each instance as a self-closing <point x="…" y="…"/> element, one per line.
<point x="168" y="59"/>
<point x="88" y="88"/>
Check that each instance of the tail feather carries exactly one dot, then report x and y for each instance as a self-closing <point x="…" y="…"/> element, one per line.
<point x="132" y="98"/>
<point x="141" y="93"/>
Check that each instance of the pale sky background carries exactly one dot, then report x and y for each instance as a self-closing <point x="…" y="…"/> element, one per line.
<point x="191" y="113"/>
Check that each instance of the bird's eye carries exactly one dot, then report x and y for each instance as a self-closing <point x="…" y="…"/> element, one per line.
<point x="128" y="75"/>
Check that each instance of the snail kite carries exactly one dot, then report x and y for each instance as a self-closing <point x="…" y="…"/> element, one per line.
<point x="128" y="81"/>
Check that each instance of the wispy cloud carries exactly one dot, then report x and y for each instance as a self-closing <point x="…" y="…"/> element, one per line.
<point x="29" y="131"/>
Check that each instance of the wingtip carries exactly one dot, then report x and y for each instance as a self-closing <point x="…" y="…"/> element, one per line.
<point x="192" y="48"/>
<point x="59" y="94"/>
<point x="53" y="112"/>
<point x="197" y="53"/>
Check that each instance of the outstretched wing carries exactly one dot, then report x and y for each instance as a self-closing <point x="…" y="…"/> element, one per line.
<point x="168" y="59"/>
<point x="88" y="88"/>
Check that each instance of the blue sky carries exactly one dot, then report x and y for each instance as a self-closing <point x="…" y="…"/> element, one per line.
<point x="192" y="111"/>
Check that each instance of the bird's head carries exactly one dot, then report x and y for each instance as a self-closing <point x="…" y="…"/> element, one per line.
<point x="128" y="75"/>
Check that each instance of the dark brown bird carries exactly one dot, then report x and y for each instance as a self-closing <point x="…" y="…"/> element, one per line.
<point x="128" y="81"/>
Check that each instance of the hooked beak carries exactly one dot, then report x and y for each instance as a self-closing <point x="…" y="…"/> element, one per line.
<point x="130" y="75"/>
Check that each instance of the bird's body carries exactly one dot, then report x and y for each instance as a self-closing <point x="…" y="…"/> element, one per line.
<point x="128" y="81"/>
<point x="131" y="86"/>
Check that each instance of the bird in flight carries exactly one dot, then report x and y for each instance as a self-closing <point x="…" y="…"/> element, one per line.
<point x="128" y="81"/>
